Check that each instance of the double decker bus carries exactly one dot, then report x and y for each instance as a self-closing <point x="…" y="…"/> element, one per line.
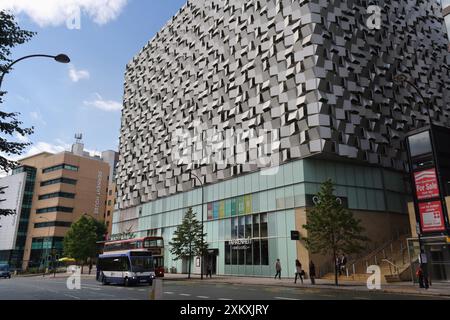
<point x="152" y="245"/>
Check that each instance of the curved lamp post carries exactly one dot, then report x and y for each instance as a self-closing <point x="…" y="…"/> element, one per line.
<point x="61" y="58"/>
<point x="203" y="223"/>
<point x="48" y="236"/>
<point x="401" y="79"/>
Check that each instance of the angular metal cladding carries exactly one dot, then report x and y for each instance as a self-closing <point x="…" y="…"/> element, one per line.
<point x="310" y="70"/>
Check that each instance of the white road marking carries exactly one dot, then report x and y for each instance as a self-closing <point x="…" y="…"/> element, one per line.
<point x="71" y="296"/>
<point x="202" y="297"/>
<point x="168" y="292"/>
<point x="225" y="299"/>
<point x="284" y="298"/>
<point x="185" y="294"/>
<point x="361" y="298"/>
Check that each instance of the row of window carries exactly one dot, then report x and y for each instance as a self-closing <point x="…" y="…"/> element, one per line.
<point x="52" y="224"/>
<point x="252" y="226"/>
<point x="254" y="254"/>
<point x="57" y="195"/>
<point x="60" y="167"/>
<point x="59" y="180"/>
<point x="55" y="209"/>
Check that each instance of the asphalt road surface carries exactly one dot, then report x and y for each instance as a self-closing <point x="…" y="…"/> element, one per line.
<point x="37" y="288"/>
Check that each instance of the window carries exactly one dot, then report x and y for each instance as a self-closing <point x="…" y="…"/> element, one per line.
<point x="52" y="224"/>
<point x="234" y="228"/>
<point x="263" y="225"/>
<point x="60" y="167"/>
<point x="109" y="213"/>
<point x="109" y="202"/>
<point x="248" y="226"/>
<point x="241" y="229"/>
<point x="265" y="252"/>
<point x="256" y="219"/>
<point x="55" y="209"/>
<point x="59" y="180"/>
<point x="110" y="192"/>
<point x="256" y="252"/>
<point x="57" y="195"/>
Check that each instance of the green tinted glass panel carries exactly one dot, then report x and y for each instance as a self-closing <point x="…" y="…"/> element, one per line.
<point x="228" y="208"/>
<point x="247" y="204"/>
<point x="233" y="207"/>
<point x="241" y="205"/>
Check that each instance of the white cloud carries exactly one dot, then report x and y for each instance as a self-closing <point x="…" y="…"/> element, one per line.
<point x="37" y="117"/>
<point x="21" y="138"/>
<point x="57" y="12"/>
<point x="44" y="147"/>
<point x="77" y="75"/>
<point x="102" y="104"/>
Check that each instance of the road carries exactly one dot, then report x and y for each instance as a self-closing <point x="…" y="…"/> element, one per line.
<point x="37" y="288"/>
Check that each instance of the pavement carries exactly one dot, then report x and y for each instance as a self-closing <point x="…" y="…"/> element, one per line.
<point x="175" y="287"/>
<point x="437" y="289"/>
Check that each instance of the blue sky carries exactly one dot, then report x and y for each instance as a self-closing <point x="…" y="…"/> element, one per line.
<point x="85" y="96"/>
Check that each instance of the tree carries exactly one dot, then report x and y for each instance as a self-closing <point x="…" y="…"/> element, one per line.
<point x="80" y="242"/>
<point x="11" y="35"/>
<point x="332" y="228"/>
<point x="187" y="239"/>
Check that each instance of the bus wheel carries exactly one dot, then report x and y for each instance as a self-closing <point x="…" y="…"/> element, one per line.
<point x="126" y="282"/>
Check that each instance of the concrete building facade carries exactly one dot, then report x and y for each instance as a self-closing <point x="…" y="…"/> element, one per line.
<point x="263" y="101"/>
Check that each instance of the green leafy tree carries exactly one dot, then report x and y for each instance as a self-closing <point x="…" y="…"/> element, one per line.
<point x="11" y="35"/>
<point x="80" y="242"/>
<point x="332" y="228"/>
<point x="187" y="240"/>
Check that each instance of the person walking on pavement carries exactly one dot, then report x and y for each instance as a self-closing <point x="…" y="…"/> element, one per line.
<point x="423" y="279"/>
<point x="298" y="271"/>
<point x="312" y="272"/>
<point x="343" y="263"/>
<point x="278" y="269"/>
<point x="209" y="270"/>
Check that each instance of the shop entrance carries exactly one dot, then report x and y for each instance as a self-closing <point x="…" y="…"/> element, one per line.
<point x="211" y="261"/>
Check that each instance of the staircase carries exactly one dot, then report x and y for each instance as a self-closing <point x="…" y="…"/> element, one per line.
<point x="391" y="257"/>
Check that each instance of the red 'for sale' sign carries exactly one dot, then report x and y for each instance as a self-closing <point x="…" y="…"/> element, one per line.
<point x="426" y="184"/>
<point x="431" y="216"/>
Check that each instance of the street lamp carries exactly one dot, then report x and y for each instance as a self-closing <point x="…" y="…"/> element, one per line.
<point x="203" y="226"/>
<point x="48" y="236"/>
<point x="400" y="79"/>
<point x="61" y="58"/>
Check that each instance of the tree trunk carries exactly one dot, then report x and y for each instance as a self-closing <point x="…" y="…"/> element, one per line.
<point x="190" y="260"/>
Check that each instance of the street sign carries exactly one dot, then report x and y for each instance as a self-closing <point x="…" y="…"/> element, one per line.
<point x="295" y="235"/>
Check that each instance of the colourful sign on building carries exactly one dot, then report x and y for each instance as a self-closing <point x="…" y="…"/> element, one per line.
<point x="431" y="216"/>
<point x="426" y="184"/>
<point x="222" y="209"/>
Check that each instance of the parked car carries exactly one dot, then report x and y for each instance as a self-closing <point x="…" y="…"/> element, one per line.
<point x="4" y="271"/>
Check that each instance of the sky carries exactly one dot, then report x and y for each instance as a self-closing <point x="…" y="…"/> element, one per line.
<point x="84" y="96"/>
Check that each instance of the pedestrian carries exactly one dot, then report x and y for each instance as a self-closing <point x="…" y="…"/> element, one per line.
<point x="312" y="272"/>
<point x="338" y="264"/>
<point x="209" y="270"/>
<point x="278" y="269"/>
<point x="422" y="277"/>
<point x="298" y="271"/>
<point x="343" y="263"/>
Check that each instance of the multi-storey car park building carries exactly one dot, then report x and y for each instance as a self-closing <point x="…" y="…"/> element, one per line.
<point x="317" y="75"/>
